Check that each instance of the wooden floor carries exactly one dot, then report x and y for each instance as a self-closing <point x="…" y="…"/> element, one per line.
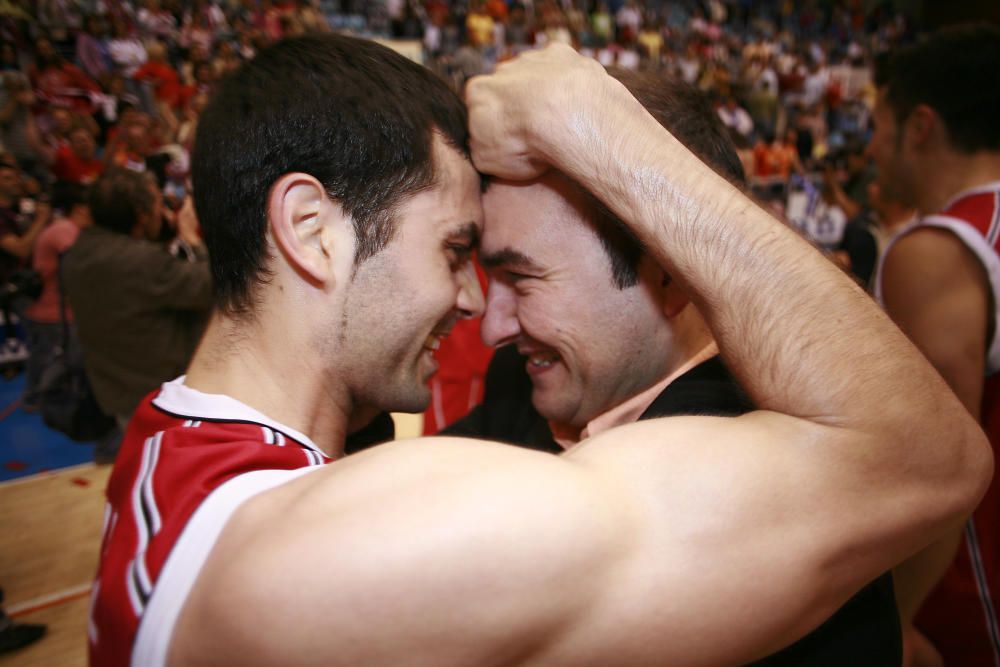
<point x="50" y="532"/>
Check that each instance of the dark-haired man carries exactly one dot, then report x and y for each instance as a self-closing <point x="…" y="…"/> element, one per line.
<point x="139" y="310"/>
<point x="937" y="148"/>
<point x="598" y="334"/>
<point x="340" y="208"/>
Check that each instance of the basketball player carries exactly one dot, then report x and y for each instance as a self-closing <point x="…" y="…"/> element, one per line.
<point x="937" y="147"/>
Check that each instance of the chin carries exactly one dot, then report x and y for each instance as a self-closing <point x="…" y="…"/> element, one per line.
<point x="554" y="413"/>
<point x="414" y="401"/>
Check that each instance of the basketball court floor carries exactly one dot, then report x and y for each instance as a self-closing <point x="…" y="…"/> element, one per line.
<point x="51" y="509"/>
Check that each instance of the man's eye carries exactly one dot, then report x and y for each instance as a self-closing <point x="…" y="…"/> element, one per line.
<point x="459" y="253"/>
<point x="514" y="276"/>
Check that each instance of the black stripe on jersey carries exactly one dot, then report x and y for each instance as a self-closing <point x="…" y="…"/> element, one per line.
<point x="146" y="491"/>
<point x="215" y="420"/>
<point x="136" y="588"/>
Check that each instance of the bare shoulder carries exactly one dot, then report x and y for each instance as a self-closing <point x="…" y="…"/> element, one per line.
<point x="927" y="253"/>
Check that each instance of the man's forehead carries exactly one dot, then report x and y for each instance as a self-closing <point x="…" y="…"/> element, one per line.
<point x="533" y="212"/>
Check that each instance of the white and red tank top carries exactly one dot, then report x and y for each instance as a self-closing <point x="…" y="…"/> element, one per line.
<point x="187" y="462"/>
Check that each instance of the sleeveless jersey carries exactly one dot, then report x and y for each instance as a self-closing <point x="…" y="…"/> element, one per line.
<point x="960" y="615"/>
<point x="187" y="462"/>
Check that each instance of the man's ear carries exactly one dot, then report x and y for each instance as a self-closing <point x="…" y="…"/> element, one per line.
<point x="921" y="124"/>
<point x="673" y="298"/>
<point x="298" y="214"/>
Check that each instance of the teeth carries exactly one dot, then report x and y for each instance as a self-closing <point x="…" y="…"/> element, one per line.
<point x="542" y="360"/>
<point x="432" y="342"/>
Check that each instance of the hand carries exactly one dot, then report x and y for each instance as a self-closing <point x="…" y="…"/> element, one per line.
<point x="188" y="228"/>
<point x="529" y="108"/>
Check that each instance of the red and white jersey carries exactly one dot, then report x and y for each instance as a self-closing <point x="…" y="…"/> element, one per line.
<point x="974" y="217"/>
<point x="188" y="461"/>
<point x="960" y="615"/>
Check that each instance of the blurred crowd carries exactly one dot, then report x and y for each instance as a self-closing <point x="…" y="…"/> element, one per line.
<point x="108" y="88"/>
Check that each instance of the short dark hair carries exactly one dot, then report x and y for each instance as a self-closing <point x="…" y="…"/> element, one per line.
<point x="356" y="115"/>
<point x="118" y="199"/>
<point x="957" y="73"/>
<point x="66" y="195"/>
<point x="686" y="113"/>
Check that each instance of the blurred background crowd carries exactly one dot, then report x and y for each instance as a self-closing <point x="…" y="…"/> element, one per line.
<point x="115" y="88"/>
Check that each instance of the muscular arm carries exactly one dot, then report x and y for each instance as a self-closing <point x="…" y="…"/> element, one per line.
<point x="684" y="541"/>
<point x="937" y="292"/>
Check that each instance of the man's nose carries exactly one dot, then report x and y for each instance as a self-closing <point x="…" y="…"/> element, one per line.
<point x="470" y="295"/>
<point x="500" y="325"/>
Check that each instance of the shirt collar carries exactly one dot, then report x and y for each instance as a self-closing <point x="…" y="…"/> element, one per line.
<point x="177" y="398"/>
<point x="630" y="410"/>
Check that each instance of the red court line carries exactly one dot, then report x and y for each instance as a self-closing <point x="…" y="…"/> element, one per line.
<point x="49" y="601"/>
<point x="9" y="410"/>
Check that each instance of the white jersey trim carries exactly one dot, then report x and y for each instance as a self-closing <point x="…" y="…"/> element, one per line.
<point x="177" y="398"/>
<point x="156" y="627"/>
<point x="987" y="256"/>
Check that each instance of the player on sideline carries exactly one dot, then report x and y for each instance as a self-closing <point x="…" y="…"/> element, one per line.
<point x="229" y="543"/>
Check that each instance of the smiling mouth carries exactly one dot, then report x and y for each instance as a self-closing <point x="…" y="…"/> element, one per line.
<point x="433" y="341"/>
<point x="541" y="360"/>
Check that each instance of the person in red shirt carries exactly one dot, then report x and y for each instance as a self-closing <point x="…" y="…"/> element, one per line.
<point x="59" y="82"/>
<point x="76" y="161"/>
<point x="158" y="72"/>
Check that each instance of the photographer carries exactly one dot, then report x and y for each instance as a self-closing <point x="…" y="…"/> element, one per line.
<point x="139" y="310"/>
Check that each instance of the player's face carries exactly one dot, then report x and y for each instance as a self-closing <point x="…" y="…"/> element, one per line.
<point x="589" y="345"/>
<point x="404" y="300"/>
<point x="894" y="178"/>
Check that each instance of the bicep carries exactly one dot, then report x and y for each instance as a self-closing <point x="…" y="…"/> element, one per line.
<point x="431" y="553"/>
<point x="631" y="550"/>
<point x="937" y="292"/>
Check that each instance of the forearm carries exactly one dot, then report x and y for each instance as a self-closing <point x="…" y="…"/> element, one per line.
<point x="771" y="300"/>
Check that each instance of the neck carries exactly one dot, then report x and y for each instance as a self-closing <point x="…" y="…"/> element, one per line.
<point x="894" y="217"/>
<point x="954" y="173"/>
<point x="262" y="365"/>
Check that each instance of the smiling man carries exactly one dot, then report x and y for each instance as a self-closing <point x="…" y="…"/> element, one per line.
<point x="598" y="335"/>
<point x="339" y="205"/>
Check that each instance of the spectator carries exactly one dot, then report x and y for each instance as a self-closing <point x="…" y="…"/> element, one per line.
<point x="139" y="311"/>
<point x="736" y="117"/>
<point x="43" y="318"/>
<point x="59" y="82"/>
<point x="92" y="49"/>
<point x="17" y="129"/>
<point x="155" y="22"/>
<point x="21" y="220"/>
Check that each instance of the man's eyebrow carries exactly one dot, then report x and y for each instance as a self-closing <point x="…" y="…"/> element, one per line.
<point x="467" y="232"/>
<point x="508" y="257"/>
